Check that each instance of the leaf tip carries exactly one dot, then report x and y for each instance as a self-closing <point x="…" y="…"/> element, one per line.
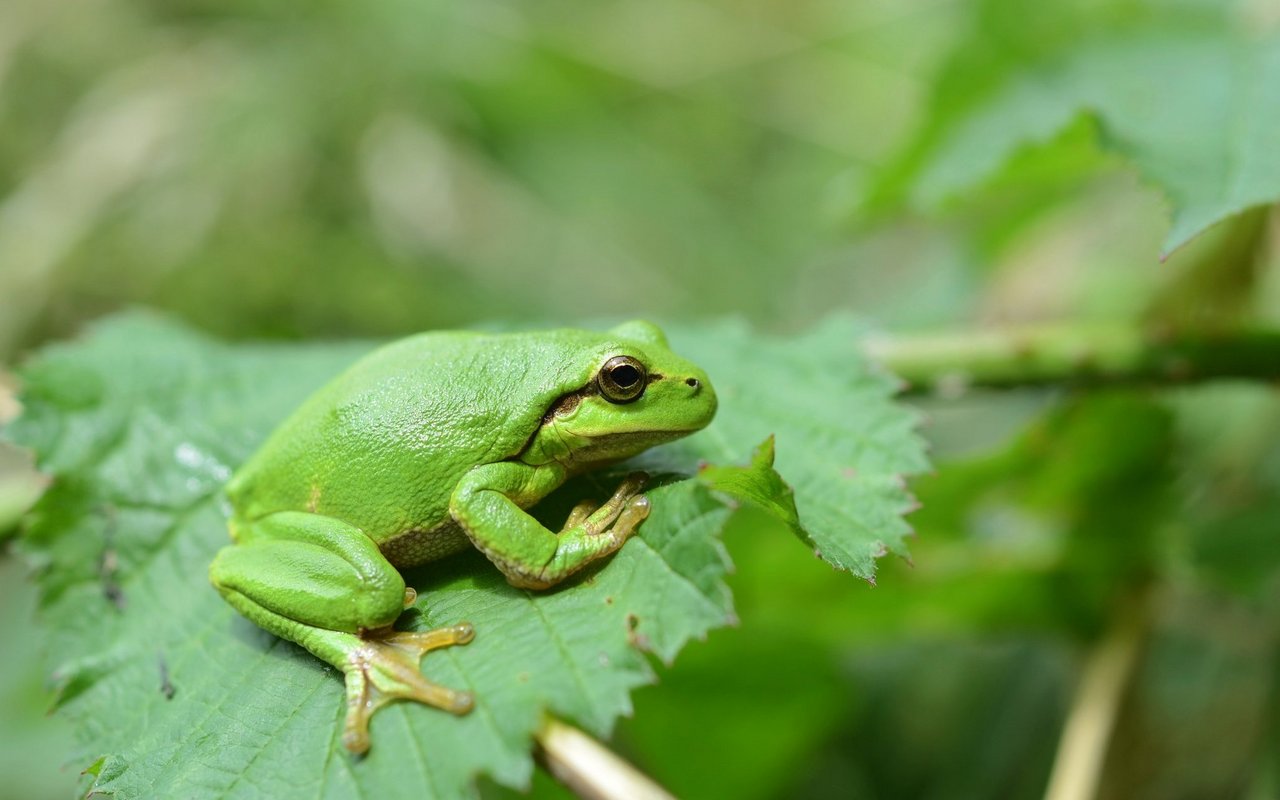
<point x="763" y="456"/>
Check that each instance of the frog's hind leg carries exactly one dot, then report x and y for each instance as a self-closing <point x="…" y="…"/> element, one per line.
<point x="322" y="583"/>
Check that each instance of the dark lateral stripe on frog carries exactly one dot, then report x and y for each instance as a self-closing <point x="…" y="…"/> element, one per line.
<point x="570" y="400"/>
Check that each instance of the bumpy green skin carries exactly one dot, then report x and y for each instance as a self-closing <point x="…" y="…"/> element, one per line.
<point x="424" y="447"/>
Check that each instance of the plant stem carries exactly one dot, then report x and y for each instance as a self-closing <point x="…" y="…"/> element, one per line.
<point x="590" y="769"/>
<point x="1082" y="750"/>
<point x="949" y="363"/>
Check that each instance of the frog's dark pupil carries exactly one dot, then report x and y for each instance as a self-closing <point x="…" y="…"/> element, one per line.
<point x="625" y="376"/>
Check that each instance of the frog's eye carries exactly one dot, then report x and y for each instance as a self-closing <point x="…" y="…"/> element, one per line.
<point x="621" y="379"/>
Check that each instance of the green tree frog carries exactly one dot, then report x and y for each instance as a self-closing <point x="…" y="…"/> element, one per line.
<point x="425" y="447"/>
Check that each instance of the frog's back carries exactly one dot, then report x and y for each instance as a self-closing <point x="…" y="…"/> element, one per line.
<point x="383" y="445"/>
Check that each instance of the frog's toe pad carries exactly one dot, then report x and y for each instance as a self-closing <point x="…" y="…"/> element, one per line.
<point x="463" y="703"/>
<point x="384" y="669"/>
<point x="419" y="642"/>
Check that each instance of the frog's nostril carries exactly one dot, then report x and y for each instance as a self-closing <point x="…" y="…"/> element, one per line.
<point x="692" y="382"/>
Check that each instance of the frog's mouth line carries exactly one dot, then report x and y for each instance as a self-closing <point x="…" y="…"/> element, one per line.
<point x="645" y="438"/>
<point x="614" y="447"/>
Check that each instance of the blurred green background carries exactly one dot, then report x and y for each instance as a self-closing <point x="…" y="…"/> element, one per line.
<point x="270" y="169"/>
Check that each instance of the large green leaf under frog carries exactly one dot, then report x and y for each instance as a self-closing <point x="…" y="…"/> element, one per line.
<point x="142" y="421"/>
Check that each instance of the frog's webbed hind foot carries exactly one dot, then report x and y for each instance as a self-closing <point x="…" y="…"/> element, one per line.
<point x="384" y="668"/>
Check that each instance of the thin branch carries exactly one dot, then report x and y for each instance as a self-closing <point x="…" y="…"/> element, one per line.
<point x="1082" y="750"/>
<point x="949" y="363"/>
<point x="590" y="769"/>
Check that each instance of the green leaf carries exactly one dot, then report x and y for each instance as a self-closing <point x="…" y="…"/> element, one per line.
<point x="843" y="444"/>
<point x="173" y="694"/>
<point x="758" y="484"/>
<point x="1194" y="107"/>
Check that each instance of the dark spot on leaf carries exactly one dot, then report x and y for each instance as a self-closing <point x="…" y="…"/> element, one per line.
<point x="638" y="640"/>
<point x="109" y="562"/>
<point x="166" y="687"/>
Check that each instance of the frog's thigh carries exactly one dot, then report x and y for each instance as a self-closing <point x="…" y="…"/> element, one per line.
<point x="309" y="569"/>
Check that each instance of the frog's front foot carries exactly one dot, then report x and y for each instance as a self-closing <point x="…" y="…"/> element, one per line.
<point x="620" y="515"/>
<point x="592" y="531"/>
<point x="384" y="668"/>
